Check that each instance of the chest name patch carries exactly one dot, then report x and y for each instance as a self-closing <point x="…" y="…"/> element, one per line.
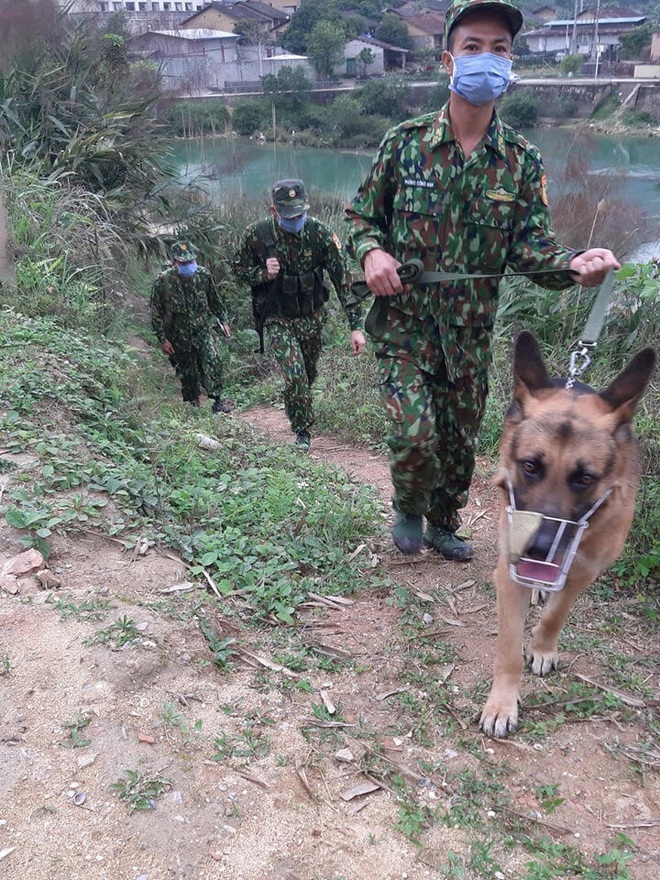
<point x="424" y="184"/>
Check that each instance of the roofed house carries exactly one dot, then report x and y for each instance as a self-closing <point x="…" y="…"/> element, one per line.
<point x="225" y="16"/>
<point x="384" y="57"/>
<point x="584" y="32"/>
<point x="191" y="60"/>
<point x="544" y="13"/>
<point x="425" y="27"/>
<point x="655" y="45"/>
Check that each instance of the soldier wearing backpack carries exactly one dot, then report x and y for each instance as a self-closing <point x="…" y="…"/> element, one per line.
<point x="283" y="259"/>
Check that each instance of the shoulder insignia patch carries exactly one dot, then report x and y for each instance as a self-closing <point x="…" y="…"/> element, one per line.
<point x="544" y="190"/>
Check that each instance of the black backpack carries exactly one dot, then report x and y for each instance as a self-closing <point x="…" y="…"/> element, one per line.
<point x="265" y="295"/>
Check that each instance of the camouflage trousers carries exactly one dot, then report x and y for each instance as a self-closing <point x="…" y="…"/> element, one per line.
<point x="296" y="344"/>
<point x="198" y="364"/>
<point x="434" y="384"/>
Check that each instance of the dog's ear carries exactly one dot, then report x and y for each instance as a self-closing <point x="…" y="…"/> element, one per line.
<point x="624" y="392"/>
<point x="528" y="368"/>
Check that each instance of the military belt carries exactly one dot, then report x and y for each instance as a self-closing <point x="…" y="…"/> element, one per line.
<point x="413" y="272"/>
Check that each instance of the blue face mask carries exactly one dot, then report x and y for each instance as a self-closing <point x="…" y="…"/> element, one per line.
<point x="480" y="78"/>
<point x="292" y="224"/>
<point x="186" y="269"/>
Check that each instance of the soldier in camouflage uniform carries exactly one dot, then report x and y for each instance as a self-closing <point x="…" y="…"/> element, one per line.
<point x="185" y="309"/>
<point x="283" y="260"/>
<point x="462" y="192"/>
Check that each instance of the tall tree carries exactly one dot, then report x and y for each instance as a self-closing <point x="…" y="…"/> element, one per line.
<point x="325" y="47"/>
<point x="308" y="14"/>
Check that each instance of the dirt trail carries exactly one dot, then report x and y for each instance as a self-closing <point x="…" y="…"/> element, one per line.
<point x="159" y="710"/>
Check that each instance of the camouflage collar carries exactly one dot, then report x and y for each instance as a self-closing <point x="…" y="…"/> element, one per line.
<point x="442" y="132"/>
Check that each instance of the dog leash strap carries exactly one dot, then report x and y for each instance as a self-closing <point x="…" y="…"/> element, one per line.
<point x="591" y="333"/>
<point x="413" y="272"/>
<point x="598" y="311"/>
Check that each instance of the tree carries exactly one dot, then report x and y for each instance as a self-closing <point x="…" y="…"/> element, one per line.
<point x="253" y="32"/>
<point x="386" y="97"/>
<point x="521" y="109"/>
<point x="636" y="43"/>
<point x="308" y="14"/>
<point x="289" y="90"/>
<point x="363" y="59"/>
<point x="325" y="47"/>
<point x="570" y="64"/>
<point x="393" y="31"/>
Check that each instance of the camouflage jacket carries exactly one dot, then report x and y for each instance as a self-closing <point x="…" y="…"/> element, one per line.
<point x="185" y="308"/>
<point x="295" y="255"/>
<point x="423" y="199"/>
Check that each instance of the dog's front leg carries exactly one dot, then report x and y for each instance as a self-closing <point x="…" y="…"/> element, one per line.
<point x="542" y="655"/>
<point x="500" y="714"/>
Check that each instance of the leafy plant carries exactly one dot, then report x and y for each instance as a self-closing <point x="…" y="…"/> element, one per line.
<point x="75" y="728"/>
<point x="139" y="791"/>
<point x="122" y="632"/>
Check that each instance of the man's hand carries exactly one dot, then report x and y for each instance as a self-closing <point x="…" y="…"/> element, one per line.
<point x="380" y="273"/>
<point x="592" y="266"/>
<point x="167" y="347"/>
<point x="272" y="268"/>
<point x="225" y="329"/>
<point x="358" y="341"/>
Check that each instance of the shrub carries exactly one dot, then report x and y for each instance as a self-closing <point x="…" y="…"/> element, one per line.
<point x="565" y="107"/>
<point x="196" y="118"/>
<point x="386" y="97"/>
<point x="521" y="110"/>
<point x="249" y="116"/>
<point x="638" y="118"/>
<point x="570" y="64"/>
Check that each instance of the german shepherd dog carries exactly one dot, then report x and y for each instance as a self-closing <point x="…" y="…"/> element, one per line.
<point x="568" y="479"/>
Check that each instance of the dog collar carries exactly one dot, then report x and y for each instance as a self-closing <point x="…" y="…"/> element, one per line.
<point x="551" y="572"/>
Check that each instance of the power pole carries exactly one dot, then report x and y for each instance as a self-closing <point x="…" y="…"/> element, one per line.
<point x="596" y="46"/>
<point x="574" y="34"/>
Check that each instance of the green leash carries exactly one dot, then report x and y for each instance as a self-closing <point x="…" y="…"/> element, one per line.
<point x="413" y="272"/>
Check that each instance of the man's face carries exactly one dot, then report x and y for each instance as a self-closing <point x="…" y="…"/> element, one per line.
<point x="480" y="31"/>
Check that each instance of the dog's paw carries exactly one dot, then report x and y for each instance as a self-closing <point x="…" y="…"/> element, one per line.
<point x="498" y="720"/>
<point x="541" y="662"/>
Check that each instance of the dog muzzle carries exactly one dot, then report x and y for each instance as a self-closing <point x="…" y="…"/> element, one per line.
<point x="548" y="569"/>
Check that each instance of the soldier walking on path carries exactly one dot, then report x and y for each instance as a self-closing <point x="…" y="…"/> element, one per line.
<point x="186" y="307"/>
<point x="463" y="193"/>
<point x="283" y="260"/>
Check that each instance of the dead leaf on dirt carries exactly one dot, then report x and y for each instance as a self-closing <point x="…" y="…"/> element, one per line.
<point x="358" y="790"/>
<point x="327" y="702"/>
<point x="302" y="776"/>
<point x="336" y="602"/>
<point x="183" y="587"/>
<point x="262" y="661"/>
<point x="462" y="586"/>
<point x="625" y="698"/>
<point x="252" y="778"/>
<point x="385" y="694"/>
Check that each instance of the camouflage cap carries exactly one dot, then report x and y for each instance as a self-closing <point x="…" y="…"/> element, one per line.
<point x="459" y="8"/>
<point x="289" y="198"/>
<point x="183" y="252"/>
